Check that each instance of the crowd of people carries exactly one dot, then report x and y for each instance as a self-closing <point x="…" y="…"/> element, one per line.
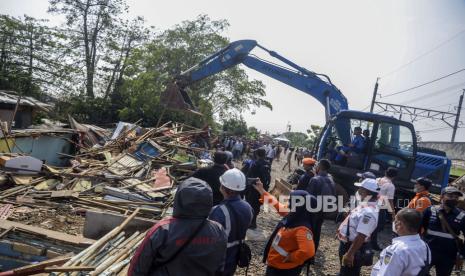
<point x="214" y="208"/>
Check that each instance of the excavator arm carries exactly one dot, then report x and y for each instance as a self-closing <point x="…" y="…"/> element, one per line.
<point x="317" y="85"/>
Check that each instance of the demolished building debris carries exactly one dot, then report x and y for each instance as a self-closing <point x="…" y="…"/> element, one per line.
<point x="54" y="201"/>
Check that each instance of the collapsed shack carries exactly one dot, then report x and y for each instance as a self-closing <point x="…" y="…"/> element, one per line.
<point x="107" y="177"/>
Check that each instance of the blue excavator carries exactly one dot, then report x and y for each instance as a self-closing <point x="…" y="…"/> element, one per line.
<point x="388" y="142"/>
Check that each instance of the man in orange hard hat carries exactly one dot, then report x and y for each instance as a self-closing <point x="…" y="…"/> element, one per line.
<point x="308" y="164"/>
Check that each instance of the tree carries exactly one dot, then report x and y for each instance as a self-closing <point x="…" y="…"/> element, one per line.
<point x="253" y="133"/>
<point x="297" y="139"/>
<point x="31" y="59"/>
<point x="219" y="97"/>
<point x="235" y="127"/>
<point x="89" y="23"/>
<point x="313" y="134"/>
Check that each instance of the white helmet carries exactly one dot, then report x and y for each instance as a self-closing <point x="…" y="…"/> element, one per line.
<point x="233" y="179"/>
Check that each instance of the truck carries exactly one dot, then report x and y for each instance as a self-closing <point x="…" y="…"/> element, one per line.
<point x="389" y="142"/>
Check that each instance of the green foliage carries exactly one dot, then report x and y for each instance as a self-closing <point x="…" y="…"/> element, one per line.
<point x="221" y="96"/>
<point x="253" y="133"/>
<point x="299" y="139"/>
<point x="31" y="56"/>
<point x="235" y="127"/>
<point x="313" y="134"/>
<point x="102" y="68"/>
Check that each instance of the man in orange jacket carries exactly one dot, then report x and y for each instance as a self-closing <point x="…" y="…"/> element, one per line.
<point x="291" y="243"/>
<point x="421" y="201"/>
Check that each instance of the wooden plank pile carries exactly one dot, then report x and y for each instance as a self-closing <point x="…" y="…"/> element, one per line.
<point x="136" y="170"/>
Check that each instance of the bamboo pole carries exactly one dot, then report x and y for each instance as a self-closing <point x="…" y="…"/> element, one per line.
<point x="94" y="247"/>
<point x="111" y="260"/>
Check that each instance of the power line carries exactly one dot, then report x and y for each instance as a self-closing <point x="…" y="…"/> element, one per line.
<point x="423" y="84"/>
<point x="434" y="130"/>
<point x="425" y="54"/>
<point x="438" y="92"/>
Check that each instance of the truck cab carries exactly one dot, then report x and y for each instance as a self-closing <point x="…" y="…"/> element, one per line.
<point x="387" y="142"/>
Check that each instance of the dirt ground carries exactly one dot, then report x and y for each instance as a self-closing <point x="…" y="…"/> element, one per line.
<point x="327" y="260"/>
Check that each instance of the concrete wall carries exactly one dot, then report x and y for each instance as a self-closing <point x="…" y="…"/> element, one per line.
<point x="453" y="150"/>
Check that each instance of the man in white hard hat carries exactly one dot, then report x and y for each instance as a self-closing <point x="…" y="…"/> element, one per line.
<point x="234" y="214"/>
<point x="355" y="231"/>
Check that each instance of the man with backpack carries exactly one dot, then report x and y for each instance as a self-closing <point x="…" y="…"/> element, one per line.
<point x="187" y="243"/>
<point x="443" y="224"/>
<point x="235" y="215"/>
<point x="408" y="255"/>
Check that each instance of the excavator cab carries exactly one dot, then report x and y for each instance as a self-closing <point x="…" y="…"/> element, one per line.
<point x="356" y="142"/>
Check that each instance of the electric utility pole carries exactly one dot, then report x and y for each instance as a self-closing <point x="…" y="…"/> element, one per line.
<point x="457" y="118"/>
<point x="375" y="92"/>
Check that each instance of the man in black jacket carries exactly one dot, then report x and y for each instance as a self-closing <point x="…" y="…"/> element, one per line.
<point x="204" y="255"/>
<point x="212" y="174"/>
<point x="260" y="168"/>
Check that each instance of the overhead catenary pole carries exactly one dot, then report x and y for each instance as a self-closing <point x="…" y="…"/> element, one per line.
<point x="457" y="118"/>
<point x="375" y="92"/>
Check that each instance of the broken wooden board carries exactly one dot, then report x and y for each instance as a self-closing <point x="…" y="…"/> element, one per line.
<point x="54" y="235"/>
<point x="64" y="194"/>
<point x="143" y="187"/>
<point x="22" y="180"/>
<point x="281" y="188"/>
<point x="5" y="211"/>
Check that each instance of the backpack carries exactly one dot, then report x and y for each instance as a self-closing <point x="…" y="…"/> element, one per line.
<point x="424" y="271"/>
<point x="244" y="254"/>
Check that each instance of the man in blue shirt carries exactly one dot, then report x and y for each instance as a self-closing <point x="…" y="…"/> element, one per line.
<point x="234" y="214"/>
<point x="358" y="142"/>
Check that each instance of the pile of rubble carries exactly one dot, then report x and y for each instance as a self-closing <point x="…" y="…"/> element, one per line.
<point x="108" y="176"/>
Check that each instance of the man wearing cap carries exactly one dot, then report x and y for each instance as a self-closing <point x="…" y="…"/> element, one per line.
<point x="234" y="214"/>
<point x="443" y="223"/>
<point x="304" y="180"/>
<point x="421" y="201"/>
<point x="362" y="176"/>
<point x="355" y="231"/>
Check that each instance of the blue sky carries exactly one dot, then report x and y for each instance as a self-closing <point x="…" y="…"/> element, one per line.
<point x="353" y="42"/>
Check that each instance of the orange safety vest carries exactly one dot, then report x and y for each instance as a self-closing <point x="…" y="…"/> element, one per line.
<point x="297" y="243"/>
<point x="420" y="202"/>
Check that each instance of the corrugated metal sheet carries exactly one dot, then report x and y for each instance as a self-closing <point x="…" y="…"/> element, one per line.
<point x="44" y="146"/>
<point x="11" y="97"/>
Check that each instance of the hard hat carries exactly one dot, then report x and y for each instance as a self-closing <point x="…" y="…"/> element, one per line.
<point x="308" y="161"/>
<point x="369" y="184"/>
<point x="233" y="179"/>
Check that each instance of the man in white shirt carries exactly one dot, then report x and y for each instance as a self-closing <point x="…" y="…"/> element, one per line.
<point x="355" y="231"/>
<point x="271" y="154"/>
<point x="408" y="254"/>
<point x="386" y="200"/>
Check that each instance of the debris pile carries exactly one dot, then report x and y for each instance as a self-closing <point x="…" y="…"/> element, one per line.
<point x="110" y="175"/>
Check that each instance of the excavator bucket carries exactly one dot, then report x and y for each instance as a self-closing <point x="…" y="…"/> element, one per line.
<point x="177" y="98"/>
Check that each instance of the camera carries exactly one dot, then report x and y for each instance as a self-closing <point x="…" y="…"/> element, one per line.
<point x="251" y="181"/>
